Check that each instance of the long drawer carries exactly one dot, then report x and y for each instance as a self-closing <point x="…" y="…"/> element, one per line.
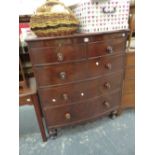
<point x="65" y="115"/>
<point x="80" y="91"/>
<point x="60" y="74"/>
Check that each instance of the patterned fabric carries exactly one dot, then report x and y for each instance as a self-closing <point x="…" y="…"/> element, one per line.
<point x="102" y="15"/>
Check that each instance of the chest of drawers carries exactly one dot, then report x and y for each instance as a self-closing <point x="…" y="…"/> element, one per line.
<point x="79" y="77"/>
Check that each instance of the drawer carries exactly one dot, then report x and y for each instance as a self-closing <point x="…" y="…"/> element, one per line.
<point x="73" y="93"/>
<point x="107" y="47"/>
<point x="65" y="115"/>
<point x="58" y="54"/>
<point x="70" y="72"/>
<point x="104" y="65"/>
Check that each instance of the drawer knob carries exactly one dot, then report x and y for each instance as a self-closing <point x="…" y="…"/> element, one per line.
<point x="28" y="99"/>
<point x="62" y="75"/>
<point x="65" y="96"/>
<point x="107" y="85"/>
<point x="108" y="66"/>
<point x="86" y="40"/>
<point x="97" y="63"/>
<point x="123" y="34"/>
<point x="107" y="104"/>
<point x="68" y="116"/>
<point x="53" y="100"/>
<point x="60" y="57"/>
<point x="82" y="94"/>
<point x="109" y="49"/>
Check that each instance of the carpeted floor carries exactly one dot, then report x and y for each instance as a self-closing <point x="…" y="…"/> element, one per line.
<point x="102" y="137"/>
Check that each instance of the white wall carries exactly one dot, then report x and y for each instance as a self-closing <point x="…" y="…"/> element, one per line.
<point x="29" y="6"/>
<point x="70" y="2"/>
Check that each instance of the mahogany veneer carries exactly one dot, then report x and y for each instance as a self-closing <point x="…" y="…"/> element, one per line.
<point x="79" y="77"/>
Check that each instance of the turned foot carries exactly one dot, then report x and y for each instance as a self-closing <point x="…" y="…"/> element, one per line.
<point x="53" y="133"/>
<point x="114" y="114"/>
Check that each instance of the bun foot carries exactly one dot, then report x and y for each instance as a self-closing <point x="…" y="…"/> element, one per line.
<point x="53" y="133"/>
<point x="114" y="114"/>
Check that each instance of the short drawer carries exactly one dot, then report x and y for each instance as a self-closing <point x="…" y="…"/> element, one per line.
<point x="57" y="54"/>
<point x="70" y="72"/>
<point x="65" y="115"/>
<point x="107" y="47"/>
<point x="74" y="93"/>
<point x="105" y="65"/>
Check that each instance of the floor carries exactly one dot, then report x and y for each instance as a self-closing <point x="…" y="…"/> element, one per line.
<point x="102" y="137"/>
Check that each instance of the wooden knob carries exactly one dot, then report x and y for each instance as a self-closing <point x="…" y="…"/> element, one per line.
<point x="62" y="75"/>
<point x="53" y="100"/>
<point x="109" y="49"/>
<point x="68" y="116"/>
<point x="123" y="34"/>
<point x="65" y="96"/>
<point x="28" y="100"/>
<point x="107" y="104"/>
<point x="97" y="63"/>
<point x="86" y="40"/>
<point x="107" y="85"/>
<point x="108" y="66"/>
<point x="60" y="57"/>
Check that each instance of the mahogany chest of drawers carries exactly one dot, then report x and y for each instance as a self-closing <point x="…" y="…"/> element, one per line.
<point x="79" y="77"/>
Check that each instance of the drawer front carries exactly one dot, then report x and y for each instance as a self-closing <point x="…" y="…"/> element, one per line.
<point x="78" y="92"/>
<point x="107" y="47"/>
<point x="60" y="74"/>
<point x="65" y="115"/>
<point x="105" y="65"/>
<point x="58" y="54"/>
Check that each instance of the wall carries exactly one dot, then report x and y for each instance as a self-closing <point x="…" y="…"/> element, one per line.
<point x="29" y="6"/>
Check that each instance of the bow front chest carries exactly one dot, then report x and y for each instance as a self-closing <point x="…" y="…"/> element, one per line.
<point x="79" y="77"/>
